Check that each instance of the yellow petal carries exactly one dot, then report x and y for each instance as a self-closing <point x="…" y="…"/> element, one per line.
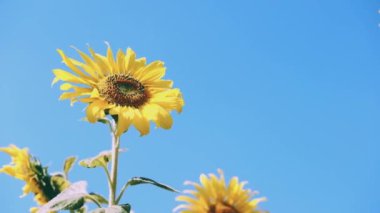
<point x="158" y="114"/>
<point x="87" y="100"/>
<point x="101" y="62"/>
<point x="187" y="199"/>
<point x="55" y="80"/>
<point x="66" y="76"/>
<point x="87" y="59"/>
<point x="139" y="63"/>
<point x="95" y="93"/>
<point x="116" y="110"/>
<point x="88" y="69"/>
<point x="120" y="57"/>
<point x="169" y="99"/>
<point x="162" y="84"/>
<point x="11" y="150"/>
<point x="8" y="170"/>
<point x="93" y="109"/>
<point x="71" y="65"/>
<point x="125" y="118"/>
<point x="68" y="95"/>
<point x="152" y="72"/>
<point x="77" y="93"/>
<point x="66" y="86"/>
<point x="111" y="60"/>
<point x="140" y="122"/>
<point x="256" y="201"/>
<point x="164" y="119"/>
<point x="130" y="58"/>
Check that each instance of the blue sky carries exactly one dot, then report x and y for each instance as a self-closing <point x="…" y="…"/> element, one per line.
<point x="283" y="94"/>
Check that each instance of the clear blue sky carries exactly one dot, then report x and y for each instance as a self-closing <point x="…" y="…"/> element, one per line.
<point x="284" y="94"/>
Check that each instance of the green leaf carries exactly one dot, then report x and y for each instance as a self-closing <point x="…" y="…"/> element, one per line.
<point x="69" y="162"/>
<point x="101" y="159"/>
<point x="71" y="198"/>
<point x="98" y="198"/>
<point x="143" y="180"/>
<point x="72" y="204"/>
<point x="125" y="208"/>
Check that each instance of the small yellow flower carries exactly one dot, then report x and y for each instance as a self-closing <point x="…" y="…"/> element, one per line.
<point x="214" y="196"/>
<point x="125" y="87"/>
<point x="26" y="168"/>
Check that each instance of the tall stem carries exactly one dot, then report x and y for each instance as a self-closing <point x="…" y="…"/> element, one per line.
<point x="114" y="165"/>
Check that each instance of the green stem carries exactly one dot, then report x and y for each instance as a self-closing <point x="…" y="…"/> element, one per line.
<point x="114" y="165"/>
<point x="121" y="193"/>
<point x="105" y="167"/>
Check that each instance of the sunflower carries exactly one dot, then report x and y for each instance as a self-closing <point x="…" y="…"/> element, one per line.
<point x="214" y="196"/>
<point x="28" y="169"/>
<point x="125" y="87"/>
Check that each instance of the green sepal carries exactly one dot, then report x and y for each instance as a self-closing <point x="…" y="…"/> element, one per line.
<point x="101" y="159"/>
<point x="67" y="166"/>
<point x="115" y="117"/>
<point x="124" y="208"/>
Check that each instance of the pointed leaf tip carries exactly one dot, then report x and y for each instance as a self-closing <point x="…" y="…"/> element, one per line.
<point x="69" y="162"/>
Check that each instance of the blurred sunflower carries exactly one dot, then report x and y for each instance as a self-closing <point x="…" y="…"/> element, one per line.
<point x="125" y="87"/>
<point x="214" y="196"/>
<point x="37" y="181"/>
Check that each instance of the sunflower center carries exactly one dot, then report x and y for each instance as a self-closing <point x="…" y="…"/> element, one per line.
<point x="222" y="208"/>
<point x="123" y="90"/>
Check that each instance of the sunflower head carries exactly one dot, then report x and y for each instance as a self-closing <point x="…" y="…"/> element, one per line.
<point x="123" y="90"/>
<point x="213" y="195"/>
<point x="123" y="87"/>
<point x="28" y="169"/>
